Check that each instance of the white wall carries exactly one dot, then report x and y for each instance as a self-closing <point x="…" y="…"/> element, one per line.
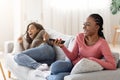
<point x="31" y="10"/>
<point x="15" y="16"/>
<point x="6" y="22"/>
<point x="41" y="11"/>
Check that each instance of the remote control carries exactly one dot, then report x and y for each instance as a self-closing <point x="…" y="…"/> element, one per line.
<point x="62" y="42"/>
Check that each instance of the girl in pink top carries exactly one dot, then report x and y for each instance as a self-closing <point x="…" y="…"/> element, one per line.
<point x="91" y="44"/>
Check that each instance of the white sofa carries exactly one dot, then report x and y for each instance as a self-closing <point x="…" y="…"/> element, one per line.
<point x="24" y="73"/>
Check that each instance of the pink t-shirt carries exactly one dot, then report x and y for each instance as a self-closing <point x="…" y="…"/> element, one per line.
<point x="95" y="52"/>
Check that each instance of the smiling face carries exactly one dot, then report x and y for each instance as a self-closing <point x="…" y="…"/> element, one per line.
<point x="32" y="31"/>
<point x="90" y="27"/>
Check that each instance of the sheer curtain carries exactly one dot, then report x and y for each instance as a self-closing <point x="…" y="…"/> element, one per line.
<point x="68" y="16"/>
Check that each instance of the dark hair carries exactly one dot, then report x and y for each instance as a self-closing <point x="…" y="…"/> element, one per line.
<point x="99" y="21"/>
<point x="38" y="26"/>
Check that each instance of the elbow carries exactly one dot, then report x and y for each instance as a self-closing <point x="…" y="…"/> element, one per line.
<point x="113" y="67"/>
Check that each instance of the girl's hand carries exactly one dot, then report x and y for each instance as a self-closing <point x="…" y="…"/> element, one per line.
<point x="58" y="42"/>
<point x="20" y="39"/>
<point x="45" y="36"/>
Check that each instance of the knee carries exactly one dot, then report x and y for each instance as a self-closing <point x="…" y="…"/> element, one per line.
<point x="60" y="66"/>
<point x="59" y="76"/>
<point x="55" y="67"/>
<point x="17" y="57"/>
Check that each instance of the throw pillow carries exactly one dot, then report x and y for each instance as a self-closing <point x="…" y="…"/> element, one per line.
<point x="86" y="65"/>
<point x="116" y="56"/>
<point x="60" y="54"/>
<point x="54" y="35"/>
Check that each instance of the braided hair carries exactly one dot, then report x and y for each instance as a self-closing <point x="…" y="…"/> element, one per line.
<point x="99" y="21"/>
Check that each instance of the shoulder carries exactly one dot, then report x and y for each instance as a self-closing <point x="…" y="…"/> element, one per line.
<point x="42" y="31"/>
<point x="80" y="36"/>
<point x="103" y="41"/>
<point x="40" y="34"/>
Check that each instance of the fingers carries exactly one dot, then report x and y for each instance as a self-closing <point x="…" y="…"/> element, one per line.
<point x="45" y="36"/>
<point x="58" y="42"/>
<point x="20" y="39"/>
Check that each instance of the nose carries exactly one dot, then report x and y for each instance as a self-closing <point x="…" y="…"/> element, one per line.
<point x="29" y="30"/>
<point x="84" y="27"/>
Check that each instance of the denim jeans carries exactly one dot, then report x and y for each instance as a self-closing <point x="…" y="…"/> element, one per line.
<point x="59" y="76"/>
<point x="59" y="69"/>
<point x="33" y="57"/>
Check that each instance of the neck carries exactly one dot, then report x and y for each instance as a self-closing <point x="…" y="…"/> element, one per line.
<point x="91" y="40"/>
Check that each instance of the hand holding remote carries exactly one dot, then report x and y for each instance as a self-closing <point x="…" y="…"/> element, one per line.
<point x="58" y="42"/>
<point x="61" y="41"/>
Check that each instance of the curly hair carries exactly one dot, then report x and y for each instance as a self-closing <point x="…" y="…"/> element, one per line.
<point x="38" y="27"/>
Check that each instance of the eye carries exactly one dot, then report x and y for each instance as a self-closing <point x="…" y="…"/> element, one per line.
<point x="86" y="24"/>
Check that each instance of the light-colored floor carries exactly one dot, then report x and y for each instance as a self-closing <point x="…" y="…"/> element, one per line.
<point x="115" y="48"/>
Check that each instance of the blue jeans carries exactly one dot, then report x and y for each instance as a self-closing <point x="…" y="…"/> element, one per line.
<point x="59" y="69"/>
<point x="59" y="76"/>
<point x="33" y="57"/>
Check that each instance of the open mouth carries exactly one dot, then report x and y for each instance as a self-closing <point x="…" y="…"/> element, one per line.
<point x="86" y="31"/>
<point x="31" y="35"/>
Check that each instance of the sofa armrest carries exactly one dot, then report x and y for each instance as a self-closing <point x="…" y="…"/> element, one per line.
<point x="8" y="46"/>
<point x="118" y="64"/>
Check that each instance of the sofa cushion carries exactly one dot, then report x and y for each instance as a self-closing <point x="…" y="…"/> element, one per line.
<point x="116" y="56"/>
<point x="16" y="69"/>
<point x="60" y="54"/>
<point x="70" y="46"/>
<point x="97" y="75"/>
<point x="86" y="65"/>
<point x="54" y="34"/>
<point x="71" y="43"/>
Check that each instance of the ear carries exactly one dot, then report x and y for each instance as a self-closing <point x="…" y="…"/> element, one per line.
<point x="97" y="27"/>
